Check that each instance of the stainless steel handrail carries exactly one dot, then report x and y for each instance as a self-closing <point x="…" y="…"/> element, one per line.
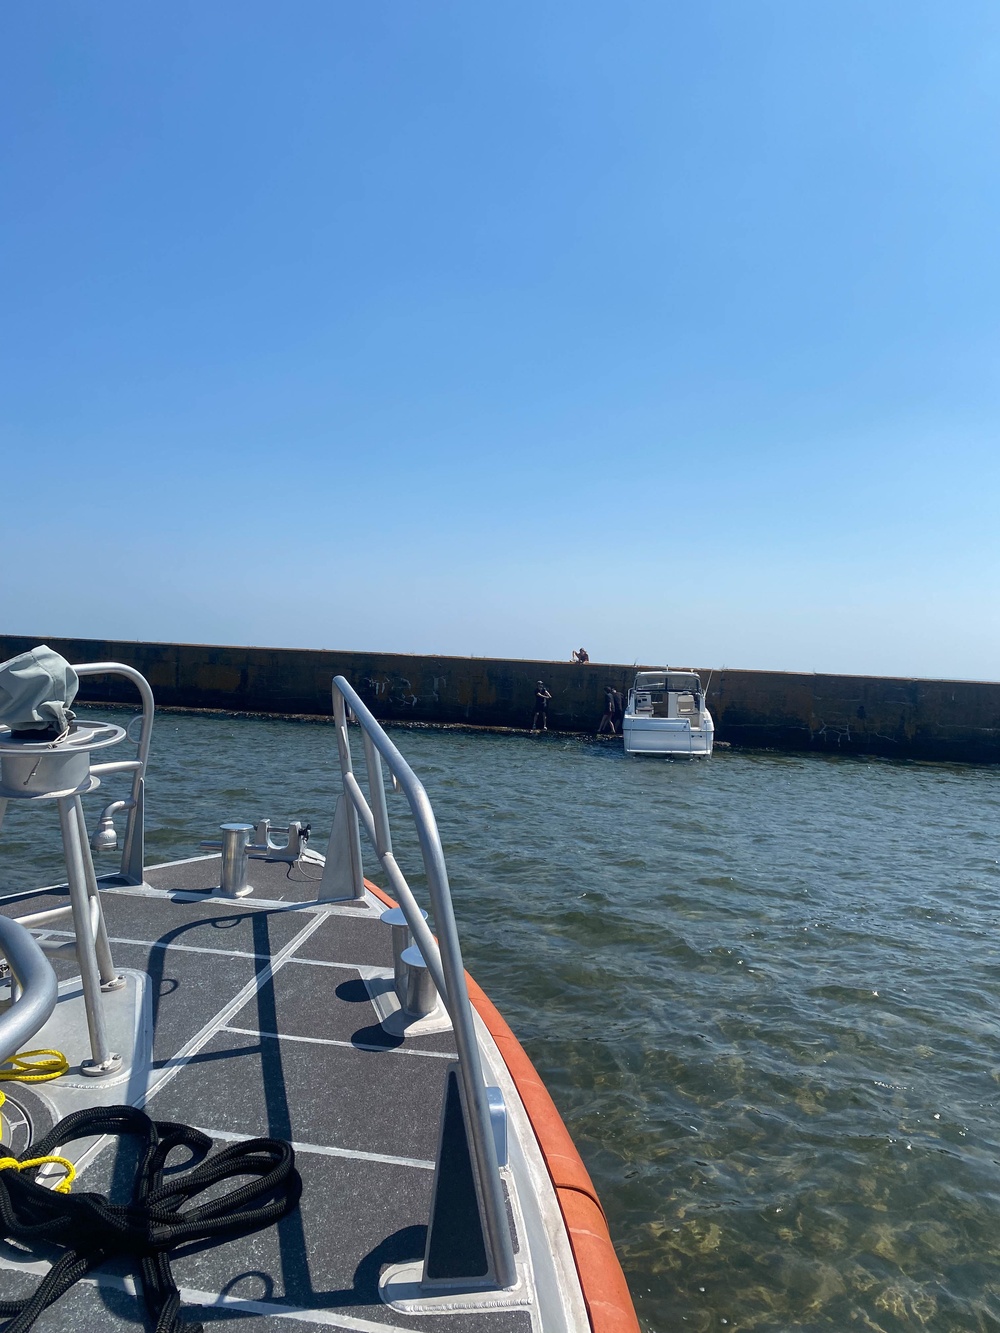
<point x="444" y="963"/>
<point x="133" y="847"/>
<point x="37" y="981"/>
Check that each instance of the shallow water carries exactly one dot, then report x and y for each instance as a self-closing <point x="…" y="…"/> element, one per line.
<point x="762" y="989"/>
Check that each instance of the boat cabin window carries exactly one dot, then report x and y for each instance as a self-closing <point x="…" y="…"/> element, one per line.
<point x="685" y="681"/>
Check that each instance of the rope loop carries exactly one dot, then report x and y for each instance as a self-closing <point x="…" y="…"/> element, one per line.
<point x="12" y="1163"/>
<point x="25" y="1069"/>
<point x="161" y="1216"/>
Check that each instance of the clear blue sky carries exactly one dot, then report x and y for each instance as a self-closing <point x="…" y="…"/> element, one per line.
<point x="668" y="329"/>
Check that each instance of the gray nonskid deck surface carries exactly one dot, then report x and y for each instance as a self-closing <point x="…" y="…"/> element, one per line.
<point x="243" y="1047"/>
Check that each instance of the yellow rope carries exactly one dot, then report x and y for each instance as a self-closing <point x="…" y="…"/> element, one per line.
<point x="36" y="1067"/>
<point x="64" y="1185"/>
<point x="25" y="1070"/>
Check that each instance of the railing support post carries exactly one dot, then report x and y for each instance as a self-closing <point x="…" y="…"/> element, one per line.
<point x="103" y="1060"/>
<point x="353" y="838"/>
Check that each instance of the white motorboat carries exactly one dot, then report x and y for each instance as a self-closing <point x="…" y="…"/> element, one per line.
<point x="666" y="714"/>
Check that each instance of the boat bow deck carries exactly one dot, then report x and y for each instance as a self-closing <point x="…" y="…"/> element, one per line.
<point x="262" y="1024"/>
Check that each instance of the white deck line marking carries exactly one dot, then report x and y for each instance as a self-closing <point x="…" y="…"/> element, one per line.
<point x="330" y="1318"/>
<point x="201" y="948"/>
<point x="186" y="861"/>
<point x="184" y="948"/>
<point x="322" y="962"/>
<point x="172" y="1067"/>
<point x="191" y="1296"/>
<point x="324" y="1150"/>
<point x="337" y="906"/>
<point x="16" y="895"/>
<point x="333" y="1041"/>
<point x="145" y="890"/>
<point x="191" y="948"/>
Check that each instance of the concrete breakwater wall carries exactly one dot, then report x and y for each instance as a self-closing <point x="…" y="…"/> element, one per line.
<point x="899" y="718"/>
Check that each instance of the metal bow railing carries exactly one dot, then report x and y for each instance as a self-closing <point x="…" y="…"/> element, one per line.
<point x="442" y="956"/>
<point x="36" y="982"/>
<point x="91" y="946"/>
<point x="133" y="849"/>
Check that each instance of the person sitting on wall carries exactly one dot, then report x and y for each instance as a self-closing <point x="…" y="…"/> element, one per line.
<point x="581" y="655"/>
<point x="542" y="698"/>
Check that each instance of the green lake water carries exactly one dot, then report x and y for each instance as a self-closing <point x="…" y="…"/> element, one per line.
<point x="763" y="990"/>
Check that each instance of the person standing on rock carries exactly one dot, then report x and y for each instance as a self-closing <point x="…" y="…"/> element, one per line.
<point x="619" y="710"/>
<point x="610" y="709"/>
<point x="542" y="698"/>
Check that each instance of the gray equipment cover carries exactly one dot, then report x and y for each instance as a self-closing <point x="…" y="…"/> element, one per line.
<point x="36" y="690"/>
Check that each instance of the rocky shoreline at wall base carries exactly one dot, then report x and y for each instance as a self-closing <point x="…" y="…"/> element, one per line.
<point x="946" y="720"/>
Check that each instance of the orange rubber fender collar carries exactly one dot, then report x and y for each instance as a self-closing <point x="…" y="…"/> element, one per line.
<point x="605" y="1291"/>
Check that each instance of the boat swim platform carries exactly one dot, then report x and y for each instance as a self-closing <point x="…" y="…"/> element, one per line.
<point x="264" y="1017"/>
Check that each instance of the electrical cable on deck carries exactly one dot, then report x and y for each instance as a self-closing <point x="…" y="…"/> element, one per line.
<point x="92" y="1229"/>
<point x="308" y="857"/>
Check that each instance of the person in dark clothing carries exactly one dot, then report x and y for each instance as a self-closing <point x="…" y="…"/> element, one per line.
<point x="608" y="720"/>
<point x="542" y="698"/>
<point x="581" y="655"/>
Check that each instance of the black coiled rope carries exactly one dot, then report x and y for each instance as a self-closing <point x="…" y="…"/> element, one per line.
<point x="92" y="1229"/>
